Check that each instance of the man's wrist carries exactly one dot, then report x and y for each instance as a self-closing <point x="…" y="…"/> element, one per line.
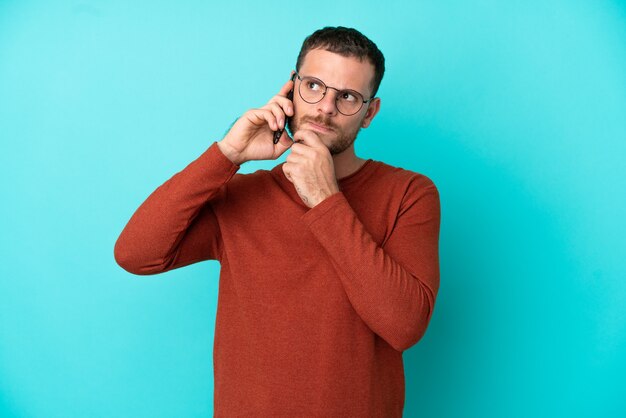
<point x="229" y="153"/>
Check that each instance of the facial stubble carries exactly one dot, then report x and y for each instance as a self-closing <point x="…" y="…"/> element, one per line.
<point x="341" y="143"/>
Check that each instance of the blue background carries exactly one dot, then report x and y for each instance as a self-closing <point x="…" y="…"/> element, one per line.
<point x="516" y="110"/>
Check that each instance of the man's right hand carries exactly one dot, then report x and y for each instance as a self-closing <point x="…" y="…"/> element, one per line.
<point x="252" y="136"/>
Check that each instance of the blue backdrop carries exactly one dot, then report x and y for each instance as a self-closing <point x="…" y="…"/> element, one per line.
<point x="516" y="110"/>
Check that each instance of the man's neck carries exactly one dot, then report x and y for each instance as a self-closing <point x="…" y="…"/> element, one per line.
<point x="346" y="163"/>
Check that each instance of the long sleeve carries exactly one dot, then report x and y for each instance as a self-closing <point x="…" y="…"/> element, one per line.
<point x="393" y="287"/>
<point x="175" y="226"/>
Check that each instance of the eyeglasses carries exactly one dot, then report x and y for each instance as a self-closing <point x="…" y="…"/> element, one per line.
<point x="312" y="90"/>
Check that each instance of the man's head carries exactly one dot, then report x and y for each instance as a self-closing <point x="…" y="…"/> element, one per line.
<point x="347" y="42"/>
<point x="342" y="58"/>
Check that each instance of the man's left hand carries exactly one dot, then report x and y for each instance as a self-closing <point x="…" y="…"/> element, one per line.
<point x="309" y="166"/>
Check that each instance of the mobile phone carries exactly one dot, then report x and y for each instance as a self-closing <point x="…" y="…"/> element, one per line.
<point x="279" y="133"/>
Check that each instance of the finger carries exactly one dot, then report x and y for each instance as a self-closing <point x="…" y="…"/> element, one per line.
<point x="308" y="138"/>
<point x="261" y="116"/>
<point x="303" y="151"/>
<point x="292" y="170"/>
<point x="295" y="158"/>
<point x="284" y="103"/>
<point x="278" y="113"/>
<point x="286" y="88"/>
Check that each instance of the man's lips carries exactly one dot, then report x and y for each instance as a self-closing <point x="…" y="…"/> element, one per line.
<point x="320" y="127"/>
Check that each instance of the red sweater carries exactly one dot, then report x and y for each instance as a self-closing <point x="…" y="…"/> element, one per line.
<point x="315" y="306"/>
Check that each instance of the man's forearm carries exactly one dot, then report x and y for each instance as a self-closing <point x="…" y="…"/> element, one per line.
<point x="158" y="236"/>
<point x="393" y="289"/>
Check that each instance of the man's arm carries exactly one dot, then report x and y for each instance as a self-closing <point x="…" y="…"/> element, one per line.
<point x="175" y="226"/>
<point x="393" y="288"/>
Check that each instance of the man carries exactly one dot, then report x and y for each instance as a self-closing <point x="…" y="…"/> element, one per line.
<point x="329" y="262"/>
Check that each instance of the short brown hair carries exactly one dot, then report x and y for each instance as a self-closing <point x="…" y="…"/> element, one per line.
<point x="349" y="43"/>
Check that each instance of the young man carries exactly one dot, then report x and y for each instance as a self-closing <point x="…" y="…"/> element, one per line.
<point x="329" y="262"/>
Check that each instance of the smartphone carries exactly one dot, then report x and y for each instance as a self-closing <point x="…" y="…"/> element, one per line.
<point x="279" y="133"/>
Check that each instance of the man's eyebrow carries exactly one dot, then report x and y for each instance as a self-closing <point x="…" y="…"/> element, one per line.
<point x="345" y="88"/>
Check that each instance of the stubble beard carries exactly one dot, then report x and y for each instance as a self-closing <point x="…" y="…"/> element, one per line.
<point x="343" y="139"/>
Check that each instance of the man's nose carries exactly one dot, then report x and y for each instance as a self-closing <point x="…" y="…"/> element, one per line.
<point x="327" y="104"/>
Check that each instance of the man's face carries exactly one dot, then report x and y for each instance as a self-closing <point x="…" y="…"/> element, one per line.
<point x="337" y="131"/>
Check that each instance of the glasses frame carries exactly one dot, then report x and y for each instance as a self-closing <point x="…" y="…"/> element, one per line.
<point x="326" y="87"/>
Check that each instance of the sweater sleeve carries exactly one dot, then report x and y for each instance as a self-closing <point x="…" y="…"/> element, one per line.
<point x="393" y="287"/>
<point x="176" y="226"/>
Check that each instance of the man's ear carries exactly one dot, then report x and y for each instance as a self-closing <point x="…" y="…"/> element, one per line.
<point x="372" y="110"/>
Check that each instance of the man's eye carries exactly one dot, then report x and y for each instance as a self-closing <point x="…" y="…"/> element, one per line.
<point x="312" y="85"/>
<point x="347" y="96"/>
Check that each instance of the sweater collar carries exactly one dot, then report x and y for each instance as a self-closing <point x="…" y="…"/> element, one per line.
<point x="344" y="182"/>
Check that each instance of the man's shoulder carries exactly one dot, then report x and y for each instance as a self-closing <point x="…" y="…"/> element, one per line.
<point x="404" y="177"/>
<point x="405" y="187"/>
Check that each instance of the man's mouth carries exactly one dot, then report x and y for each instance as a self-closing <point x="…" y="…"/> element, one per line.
<point x="320" y="127"/>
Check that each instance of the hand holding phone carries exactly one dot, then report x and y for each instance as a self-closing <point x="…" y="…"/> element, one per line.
<point x="249" y="136"/>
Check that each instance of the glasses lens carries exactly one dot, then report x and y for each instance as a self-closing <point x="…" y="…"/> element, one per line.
<point x="312" y="90"/>
<point x="349" y="102"/>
